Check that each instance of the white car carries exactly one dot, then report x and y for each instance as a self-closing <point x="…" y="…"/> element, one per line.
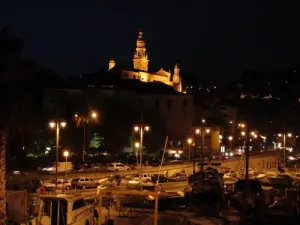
<point x="107" y="182"/>
<point x="130" y="182"/>
<point x="61" y="185"/>
<point x="117" y="167"/>
<point x="144" y="177"/>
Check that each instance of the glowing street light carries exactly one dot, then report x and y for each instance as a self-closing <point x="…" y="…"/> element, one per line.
<point x="141" y="129"/>
<point x="242" y="125"/>
<point x="94" y="115"/>
<point x="137" y="144"/>
<point x="207" y="131"/>
<point x="243" y="133"/>
<point x="189" y="141"/>
<point x="84" y="120"/>
<point x="57" y="125"/>
<point x="289" y="135"/>
<point x="230" y="138"/>
<point x="66" y="154"/>
<point x="197" y="131"/>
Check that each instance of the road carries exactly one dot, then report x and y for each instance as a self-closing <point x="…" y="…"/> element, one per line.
<point x="102" y="172"/>
<point x="169" y="187"/>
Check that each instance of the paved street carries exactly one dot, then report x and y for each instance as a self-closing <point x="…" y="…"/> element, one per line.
<point x="169" y="187"/>
<point x="100" y="173"/>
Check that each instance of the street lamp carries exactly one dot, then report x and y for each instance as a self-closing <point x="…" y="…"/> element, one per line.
<point x="57" y="125"/>
<point x="84" y="120"/>
<point x="284" y="143"/>
<point x="66" y="154"/>
<point x="230" y="138"/>
<point x="137" y="145"/>
<point x="189" y="141"/>
<point x="141" y="129"/>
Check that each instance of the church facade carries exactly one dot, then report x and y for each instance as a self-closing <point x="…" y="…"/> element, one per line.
<point x="140" y="71"/>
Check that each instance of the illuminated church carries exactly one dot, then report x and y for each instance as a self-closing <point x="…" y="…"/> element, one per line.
<point x="140" y="65"/>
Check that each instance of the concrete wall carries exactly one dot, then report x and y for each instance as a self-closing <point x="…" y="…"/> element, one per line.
<point x="260" y="163"/>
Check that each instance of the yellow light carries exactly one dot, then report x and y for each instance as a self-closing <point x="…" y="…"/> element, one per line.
<point x="137" y="144"/>
<point x="136" y="128"/>
<point x="189" y="141"/>
<point x="66" y="153"/>
<point x="243" y="133"/>
<point x="94" y="115"/>
<point x="76" y="116"/>
<point x="230" y="121"/>
<point x="289" y="135"/>
<point x="63" y="124"/>
<point x="279" y="135"/>
<point x="242" y="125"/>
<point x="197" y="131"/>
<point x="220" y="137"/>
<point x="230" y="138"/>
<point x="255" y="135"/>
<point x="252" y="133"/>
<point x="52" y="124"/>
<point x="147" y="128"/>
<point x="207" y="131"/>
<point x="203" y="120"/>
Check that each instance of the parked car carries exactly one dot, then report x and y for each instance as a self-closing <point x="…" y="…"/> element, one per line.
<point x="144" y="177"/>
<point x="130" y="182"/>
<point x="108" y="182"/>
<point x="61" y="185"/>
<point x="114" y="167"/>
<point x="161" y="178"/>
<point x="177" y="177"/>
<point x="61" y="167"/>
<point x="84" y="182"/>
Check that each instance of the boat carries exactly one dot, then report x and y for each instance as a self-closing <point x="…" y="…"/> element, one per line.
<point x="62" y="209"/>
<point x="208" y="189"/>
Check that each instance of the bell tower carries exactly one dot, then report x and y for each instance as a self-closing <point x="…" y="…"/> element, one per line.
<point x="140" y="59"/>
<point x="111" y="64"/>
<point x="177" y="81"/>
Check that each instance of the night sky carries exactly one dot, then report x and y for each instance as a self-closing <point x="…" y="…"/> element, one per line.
<point x="210" y="38"/>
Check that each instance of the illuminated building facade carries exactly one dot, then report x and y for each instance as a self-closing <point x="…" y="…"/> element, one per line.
<point x="140" y="68"/>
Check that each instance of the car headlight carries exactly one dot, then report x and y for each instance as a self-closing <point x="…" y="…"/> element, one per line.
<point x="50" y="169"/>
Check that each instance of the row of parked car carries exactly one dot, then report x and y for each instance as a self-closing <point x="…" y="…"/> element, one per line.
<point x="129" y="181"/>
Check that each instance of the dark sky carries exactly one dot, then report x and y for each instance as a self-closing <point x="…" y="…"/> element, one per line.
<point x="211" y="38"/>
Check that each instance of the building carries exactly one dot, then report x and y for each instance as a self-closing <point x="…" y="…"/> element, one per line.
<point x="141" y="66"/>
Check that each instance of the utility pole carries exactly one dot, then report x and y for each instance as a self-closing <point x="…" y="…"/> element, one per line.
<point x="57" y="153"/>
<point x="83" y="144"/>
<point x="194" y="155"/>
<point x="201" y="155"/>
<point x="284" y="146"/>
<point x="141" y="141"/>
<point x="2" y="178"/>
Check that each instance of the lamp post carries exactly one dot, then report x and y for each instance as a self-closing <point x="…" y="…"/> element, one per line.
<point x="230" y="138"/>
<point x="83" y="120"/>
<point x="57" y="125"/>
<point x="284" y="144"/>
<point x="189" y="141"/>
<point x="137" y="145"/>
<point x="66" y="154"/>
<point x="141" y="129"/>
<point x="201" y="132"/>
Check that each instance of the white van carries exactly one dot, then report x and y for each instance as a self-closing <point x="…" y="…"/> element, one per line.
<point x="117" y="167"/>
<point x="61" y="167"/>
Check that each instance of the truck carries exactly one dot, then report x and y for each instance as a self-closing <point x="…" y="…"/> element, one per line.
<point x="61" y="168"/>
